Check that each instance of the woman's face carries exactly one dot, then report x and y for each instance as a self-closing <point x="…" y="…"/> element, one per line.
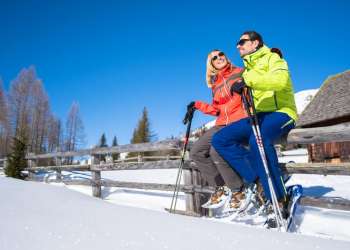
<point x="218" y="59"/>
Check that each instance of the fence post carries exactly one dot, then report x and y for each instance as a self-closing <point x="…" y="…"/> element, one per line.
<point x="58" y="171"/>
<point x="139" y="158"/>
<point x="96" y="178"/>
<point x="31" y="164"/>
<point x="189" y="196"/>
<point x="197" y="197"/>
<point x="5" y="163"/>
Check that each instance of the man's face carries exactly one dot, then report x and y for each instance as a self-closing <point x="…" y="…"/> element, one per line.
<point x="245" y="46"/>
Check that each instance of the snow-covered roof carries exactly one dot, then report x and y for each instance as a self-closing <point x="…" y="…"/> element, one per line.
<point x="331" y="103"/>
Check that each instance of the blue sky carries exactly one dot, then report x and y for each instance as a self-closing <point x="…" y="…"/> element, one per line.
<point x="115" y="57"/>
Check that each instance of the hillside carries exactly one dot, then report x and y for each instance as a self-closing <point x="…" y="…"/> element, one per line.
<point x="37" y="216"/>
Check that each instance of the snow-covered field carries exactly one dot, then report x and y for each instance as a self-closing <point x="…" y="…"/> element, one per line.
<point x="323" y="223"/>
<point x="37" y="216"/>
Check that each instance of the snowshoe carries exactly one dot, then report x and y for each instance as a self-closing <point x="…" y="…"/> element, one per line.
<point x="240" y="202"/>
<point x="294" y="194"/>
<point x="218" y="198"/>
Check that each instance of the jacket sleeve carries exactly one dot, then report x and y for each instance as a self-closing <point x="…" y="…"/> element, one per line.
<point x="275" y="79"/>
<point x="206" y="108"/>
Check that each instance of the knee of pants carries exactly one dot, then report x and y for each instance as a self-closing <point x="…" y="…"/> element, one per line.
<point x="193" y="154"/>
<point x="196" y="153"/>
<point x="253" y="143"/>
<point x="217" y="142"/>
<point x="213" y="153"/>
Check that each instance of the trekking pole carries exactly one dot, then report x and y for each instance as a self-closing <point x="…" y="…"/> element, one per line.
<point x="251" y="111"/>
<point x="188" y="120"/>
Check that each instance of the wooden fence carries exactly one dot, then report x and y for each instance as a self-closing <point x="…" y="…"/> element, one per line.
<point x="3" y="163"/>
<point x="192" y="181"/>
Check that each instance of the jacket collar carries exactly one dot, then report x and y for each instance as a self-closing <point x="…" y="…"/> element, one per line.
<point x="251" y="58"/>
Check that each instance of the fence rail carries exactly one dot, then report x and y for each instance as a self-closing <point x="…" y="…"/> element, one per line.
<point x="192" y="187"/>
<point x="335" y="133"/>
<point x="192" y="182"/>
<point x="290" y="168"/>
<point x="129" y="148"/>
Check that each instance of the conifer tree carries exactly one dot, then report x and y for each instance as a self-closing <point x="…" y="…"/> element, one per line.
<point x="142" y="133"/>
<point x="103" y="141"/>
<point x="102" y="144"/>
<point x="16" y="160"/>
<point x="115" y="156"/>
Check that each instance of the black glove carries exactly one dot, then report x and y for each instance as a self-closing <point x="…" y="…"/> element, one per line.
<point x="238" y="87"/>
<point x="189" y="113"/>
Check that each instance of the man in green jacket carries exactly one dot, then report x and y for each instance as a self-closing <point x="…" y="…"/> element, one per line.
<point x="267" y="74"/>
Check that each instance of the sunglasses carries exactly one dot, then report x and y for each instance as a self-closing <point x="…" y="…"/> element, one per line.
<point x="217" y="56"/>
<point x="242" y="42"/>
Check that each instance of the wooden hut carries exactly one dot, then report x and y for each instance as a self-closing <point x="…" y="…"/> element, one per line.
<point x="330" y="106"/>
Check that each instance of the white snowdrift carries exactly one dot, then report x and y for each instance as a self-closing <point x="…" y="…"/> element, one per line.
<point x="38" y="216"/>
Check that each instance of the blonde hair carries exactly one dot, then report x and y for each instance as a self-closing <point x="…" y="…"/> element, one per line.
<point x="211" y="70"/>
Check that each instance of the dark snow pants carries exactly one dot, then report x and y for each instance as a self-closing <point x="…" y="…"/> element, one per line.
<point x="214" y="170"/>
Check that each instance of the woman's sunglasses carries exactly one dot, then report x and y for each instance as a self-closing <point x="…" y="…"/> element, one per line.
<point x="242" y="42"/>
<point x="217" y="56"/>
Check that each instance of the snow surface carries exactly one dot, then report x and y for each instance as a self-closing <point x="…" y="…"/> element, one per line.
<point x="37" y="216"/>
<point x="295" y="155"/>
<point x="310" y="221"/>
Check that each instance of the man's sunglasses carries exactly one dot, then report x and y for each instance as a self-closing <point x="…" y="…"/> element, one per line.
<point x="242" y="42"/>
<point x="217" y="56"/>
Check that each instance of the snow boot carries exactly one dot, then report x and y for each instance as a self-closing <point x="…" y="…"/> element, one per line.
<point x="218" y="198"/>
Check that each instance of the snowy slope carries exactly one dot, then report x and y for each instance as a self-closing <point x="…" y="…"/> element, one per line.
<point x="37" y="216"/>
<point x="310" y="220"/>
<point x="303" y="98"/>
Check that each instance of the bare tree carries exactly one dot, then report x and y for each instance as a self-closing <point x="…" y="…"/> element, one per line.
<point x="40" y="115"/>
<point x="20" y="102"/>
<point x="55" y="139"/>
<point x="4" y="123"/>
<point x="74" y="137"/>
<point x="30" y="110"/>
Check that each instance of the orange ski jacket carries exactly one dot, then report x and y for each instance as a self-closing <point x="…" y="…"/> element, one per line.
<point x="227" y="108"/>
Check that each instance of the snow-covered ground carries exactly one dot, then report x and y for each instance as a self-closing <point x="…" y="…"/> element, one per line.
<point x="310" y="221"/>
<point x="295" y="155"/>
<point x="37" y="216"/>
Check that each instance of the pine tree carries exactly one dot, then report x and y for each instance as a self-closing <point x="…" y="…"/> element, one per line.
<point x="103" y="141"/>
<point x="16" y="160"/>
<point x="102" y="144"/>
<point x="142" y="133"/>
<point x="115" y="156"/>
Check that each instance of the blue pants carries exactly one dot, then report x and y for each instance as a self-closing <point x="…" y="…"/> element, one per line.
<point x="229" y="143"/>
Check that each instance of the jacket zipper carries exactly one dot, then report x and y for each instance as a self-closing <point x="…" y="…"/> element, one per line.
<point x="228" y="94"/>
<point x="222" y="95"/>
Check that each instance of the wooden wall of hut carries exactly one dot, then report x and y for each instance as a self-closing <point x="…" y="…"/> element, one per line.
<point x="329" y="152"/>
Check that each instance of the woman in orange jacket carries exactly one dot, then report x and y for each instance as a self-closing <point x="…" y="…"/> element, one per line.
<point x="220" y="76"/>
